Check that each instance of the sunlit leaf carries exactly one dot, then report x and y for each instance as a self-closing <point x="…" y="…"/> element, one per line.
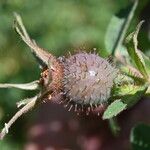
<point x="114" y="109"/>
<point x="130" y="94"/>
<point x="127" y="96"/>
<point x="133" y="73"/>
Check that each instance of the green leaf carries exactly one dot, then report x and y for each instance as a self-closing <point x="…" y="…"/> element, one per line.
<point x="140" y="137"/>
<point x="113" y="32"/>
<point x="130" y="94"/>
<point x="135" y="54"/>
<point x="128" y="89"/>
<point x="117" y="28"/>
<point x="132" y="73"/>
<point x="114" y="109"/>
<point x="127" y="95"/>
<point x="148" y="92"/>
<point x="134" y="95"/>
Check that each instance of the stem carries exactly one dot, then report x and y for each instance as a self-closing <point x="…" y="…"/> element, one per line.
<point x="25" y="101"/>
<point x="31" y="103"/>
<point x="24" y="86"/>
<point x="124" y="28"/>
<point x="115" y="128"/>
<point x="22" y="111"/>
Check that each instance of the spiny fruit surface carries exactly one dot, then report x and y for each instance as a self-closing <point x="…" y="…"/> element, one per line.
<point x="88" y="79"/>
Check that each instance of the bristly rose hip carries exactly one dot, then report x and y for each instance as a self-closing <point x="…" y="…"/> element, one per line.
<point x="81" y="82"/>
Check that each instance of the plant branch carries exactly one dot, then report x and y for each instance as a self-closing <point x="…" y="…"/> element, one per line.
<point x="29" y="104"/>
<point x="24" y="86"/>
<point x="22" y="111"/>
<point x="41" y="55"/>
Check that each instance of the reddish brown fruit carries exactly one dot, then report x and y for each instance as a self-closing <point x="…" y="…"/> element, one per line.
<point x="83" y="80"/>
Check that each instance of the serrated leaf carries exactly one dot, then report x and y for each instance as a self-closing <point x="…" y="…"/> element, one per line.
<point x="133" y="51"/>
<point x="114" y="109"/>
<point x="117" y="28"/>
<point x="134" y="95"/>
<point x="130" y="94"/>
<point x="129" y="89"/>
<point x="140" y="137"/>
<point x="132" y="73"/>
<point x="127" y="95"/>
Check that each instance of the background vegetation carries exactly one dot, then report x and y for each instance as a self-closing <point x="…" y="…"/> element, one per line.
<point x="59" y="26"/>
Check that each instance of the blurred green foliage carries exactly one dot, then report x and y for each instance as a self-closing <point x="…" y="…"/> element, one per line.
<point x="59" y="26"/>
<point x="139" y="138"/>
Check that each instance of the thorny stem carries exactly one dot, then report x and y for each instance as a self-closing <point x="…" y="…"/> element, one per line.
<point x="38" y="52"/>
